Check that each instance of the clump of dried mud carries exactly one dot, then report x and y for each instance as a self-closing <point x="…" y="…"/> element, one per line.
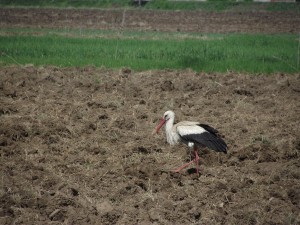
<point x="76" y="147"/>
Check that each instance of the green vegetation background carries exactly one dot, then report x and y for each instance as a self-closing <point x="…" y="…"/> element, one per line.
<point x="142" y="50"/>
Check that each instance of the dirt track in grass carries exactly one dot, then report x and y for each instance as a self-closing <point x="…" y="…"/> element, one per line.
<point x="151" y="20"/>
<point x="76" y="144"/>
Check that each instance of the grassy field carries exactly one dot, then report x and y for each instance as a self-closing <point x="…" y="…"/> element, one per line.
<point x="153" y="50"/>
<point x="214" y="5"/>
<point x="210" y="5"/>
<point x="67" y="3"/>
<point x="148" y="49"/>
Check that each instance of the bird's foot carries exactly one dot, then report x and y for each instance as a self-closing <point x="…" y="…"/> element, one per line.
<point x="184" y="166"/>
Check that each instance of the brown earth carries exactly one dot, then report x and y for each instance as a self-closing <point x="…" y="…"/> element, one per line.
<point x="76" y="147"/>
<point x="76" y="144"/>
<point x="196" y="21"/>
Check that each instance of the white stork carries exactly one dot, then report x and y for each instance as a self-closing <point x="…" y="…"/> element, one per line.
<point x="193" y="134"/>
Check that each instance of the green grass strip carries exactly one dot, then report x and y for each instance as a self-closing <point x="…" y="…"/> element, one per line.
<point x="214" y="53"/>
<point x="67" y="3"/>
<point x="225" y="5"/>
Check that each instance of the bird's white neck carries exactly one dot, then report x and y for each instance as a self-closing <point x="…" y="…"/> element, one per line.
<point x="169" y="125"/>
<point x="172" y="137"/>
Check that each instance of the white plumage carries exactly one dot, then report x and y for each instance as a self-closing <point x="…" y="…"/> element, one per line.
<point x="186" y="129"/>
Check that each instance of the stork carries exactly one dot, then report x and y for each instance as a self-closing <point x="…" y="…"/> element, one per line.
<point x="193" y="134"/>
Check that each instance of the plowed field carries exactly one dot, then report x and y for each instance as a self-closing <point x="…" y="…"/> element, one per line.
<point x="76" y="144"/>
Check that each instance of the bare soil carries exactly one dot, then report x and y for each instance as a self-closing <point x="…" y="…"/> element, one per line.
<point x="76" y="144"/>
<point x="76" y="147"/>
<point x="186" y="21"/>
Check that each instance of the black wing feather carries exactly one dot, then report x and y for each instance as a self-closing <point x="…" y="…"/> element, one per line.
<point x="209" y="129"/>
<point x="208" y="139"/>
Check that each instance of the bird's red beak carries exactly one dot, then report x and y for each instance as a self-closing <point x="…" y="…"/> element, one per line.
<point x="161" y="123"/>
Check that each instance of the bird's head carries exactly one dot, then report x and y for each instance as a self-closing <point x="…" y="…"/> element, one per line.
<point x="167" y="116"/>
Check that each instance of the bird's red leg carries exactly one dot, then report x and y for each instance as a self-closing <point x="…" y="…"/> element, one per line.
<point x="196" y="160"/>
<point x="182" y="167"/>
